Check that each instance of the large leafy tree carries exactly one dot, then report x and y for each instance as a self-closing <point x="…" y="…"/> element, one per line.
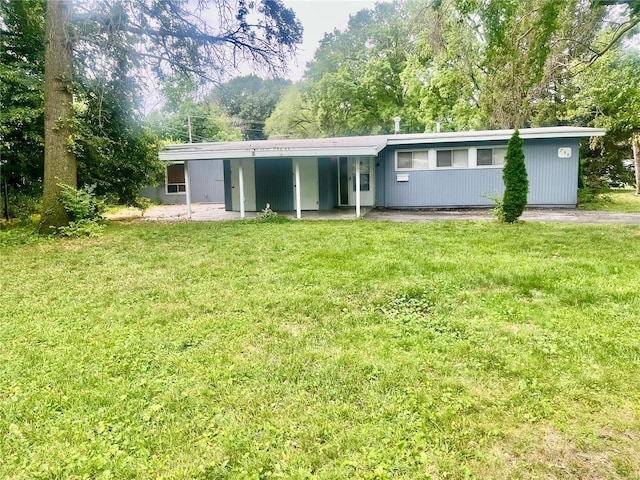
<point x="608" y="96"/>
<point x="355" y="79"/>
<point x="202" y="121"/>
<point x="443" y="73"/>
<point x="463" y="63"/>
<point x="112" y="150"/>
<point x="249" y="101"/>
<point x="120" y="37"/>
<point x="292" y="116"/>
<point x="22" y="95"/>
<point x="522" y="55"/>
<point x="183" y="118"/>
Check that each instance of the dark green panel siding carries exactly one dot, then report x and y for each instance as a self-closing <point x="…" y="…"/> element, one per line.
<point x="226" y="166"/>
<point x="274" y="183"/>
<point x="327" y="183"/>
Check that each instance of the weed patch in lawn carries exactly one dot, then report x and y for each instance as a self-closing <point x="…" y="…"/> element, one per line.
<point x="613" y="201"/>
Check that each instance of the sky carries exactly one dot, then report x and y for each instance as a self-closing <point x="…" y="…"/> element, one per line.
<point x="319" y="17"/>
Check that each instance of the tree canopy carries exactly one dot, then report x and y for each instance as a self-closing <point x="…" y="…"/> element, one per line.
<point x="473" y="64"/>
<point x="103" y="52"/>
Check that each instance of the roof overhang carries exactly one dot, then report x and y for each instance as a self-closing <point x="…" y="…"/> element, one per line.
<point x="495" y="135"/>
<point x="315" y="147"/>
<point x="353" y="146"/>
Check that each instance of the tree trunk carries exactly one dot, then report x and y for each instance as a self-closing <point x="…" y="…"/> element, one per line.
<point x="635" y="145"/>
<point x="59" y="160"/>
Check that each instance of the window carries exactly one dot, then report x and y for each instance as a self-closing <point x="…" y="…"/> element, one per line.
<point x="491" y="156"/>
<point x="452" y="158"/>
<point x="443" y="158"/>
<point x="416" y="160"/>
<point x="175" y="179"/>
<point x="364" y="175"/>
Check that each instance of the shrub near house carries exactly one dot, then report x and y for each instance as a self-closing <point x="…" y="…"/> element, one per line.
<point x="516" y="183"/>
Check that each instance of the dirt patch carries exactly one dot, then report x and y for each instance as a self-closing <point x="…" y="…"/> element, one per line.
<point x="545" y="452"/>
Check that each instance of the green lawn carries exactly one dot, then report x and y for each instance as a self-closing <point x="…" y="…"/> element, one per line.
<point x="345" y="349"/>
<point x="614" y="201"/>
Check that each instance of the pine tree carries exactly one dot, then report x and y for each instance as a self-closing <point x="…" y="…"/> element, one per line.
<point x="516" y="183"/>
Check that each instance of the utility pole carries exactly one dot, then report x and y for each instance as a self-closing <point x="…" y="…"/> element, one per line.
<point x="189" y="125"/>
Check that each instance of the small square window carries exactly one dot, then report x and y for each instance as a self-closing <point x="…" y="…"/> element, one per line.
<point x="421" y="160"/>
<point x="491" y="156"/>
<point x="485" y="157"/>
<point x="460" y="158"/>
<point x="498" y="156"/>
<point x="443" y="158"/>
<point x="405" y="160"/>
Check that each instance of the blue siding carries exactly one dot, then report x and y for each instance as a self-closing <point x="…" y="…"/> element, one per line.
<point x="207" y="185"/>
<point x="207" y="181"/>
<point x="327" y="183"/>
<point x="552" y="180"/>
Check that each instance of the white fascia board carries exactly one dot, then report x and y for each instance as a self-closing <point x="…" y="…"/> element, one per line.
<point x="370" y="147"/>
<point x="183" y="154"/>
<point x="497" y="135"/>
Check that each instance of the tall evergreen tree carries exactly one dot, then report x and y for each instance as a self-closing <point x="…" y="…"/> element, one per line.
<point x="516" y="183"/>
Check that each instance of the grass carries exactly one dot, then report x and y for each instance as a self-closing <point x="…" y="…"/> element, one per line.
<point x="625" y="201"/>
<point x="323" y="350"/>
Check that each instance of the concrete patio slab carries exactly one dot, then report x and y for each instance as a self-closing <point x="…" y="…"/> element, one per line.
<point x="216" y="212"/>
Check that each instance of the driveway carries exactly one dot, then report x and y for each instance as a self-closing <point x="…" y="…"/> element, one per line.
<point x="216" y="212"/>
<point x="560" y="215"/>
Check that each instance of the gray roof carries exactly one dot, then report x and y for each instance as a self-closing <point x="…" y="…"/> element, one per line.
<point x="353" y="146"/>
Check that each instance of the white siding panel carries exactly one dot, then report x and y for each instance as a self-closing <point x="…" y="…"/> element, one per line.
<point x="249" y="174"/>
<point x="308" y="183"/>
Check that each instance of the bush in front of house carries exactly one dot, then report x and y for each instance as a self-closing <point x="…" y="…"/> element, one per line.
<point x="516" y="183"/>
<point x="85" y="212"/>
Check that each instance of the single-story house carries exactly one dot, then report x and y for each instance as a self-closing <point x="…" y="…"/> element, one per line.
<point x="422" y="170"/>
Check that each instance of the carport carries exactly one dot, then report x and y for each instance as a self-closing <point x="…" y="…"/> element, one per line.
<point x="294" y="173"/>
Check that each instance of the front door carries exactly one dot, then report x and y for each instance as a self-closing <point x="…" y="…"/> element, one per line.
<point x="366" y="180"/>
<point x="347" y="180"/>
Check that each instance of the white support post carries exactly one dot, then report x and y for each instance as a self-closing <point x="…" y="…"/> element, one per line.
<point x="357" y="160"/>
<point x="241" y="186"/>
<point x="187" y="188"/>
<point x="298" y="206"/>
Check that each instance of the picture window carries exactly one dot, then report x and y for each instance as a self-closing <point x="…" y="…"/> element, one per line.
<point x="175" y="179"/>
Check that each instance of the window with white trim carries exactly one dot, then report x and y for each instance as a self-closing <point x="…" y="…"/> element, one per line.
<point x="414" y="160"/>
<point x="452" y="158"/>
<point x="175" y="179"/>
<point x="491" y="156"/>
